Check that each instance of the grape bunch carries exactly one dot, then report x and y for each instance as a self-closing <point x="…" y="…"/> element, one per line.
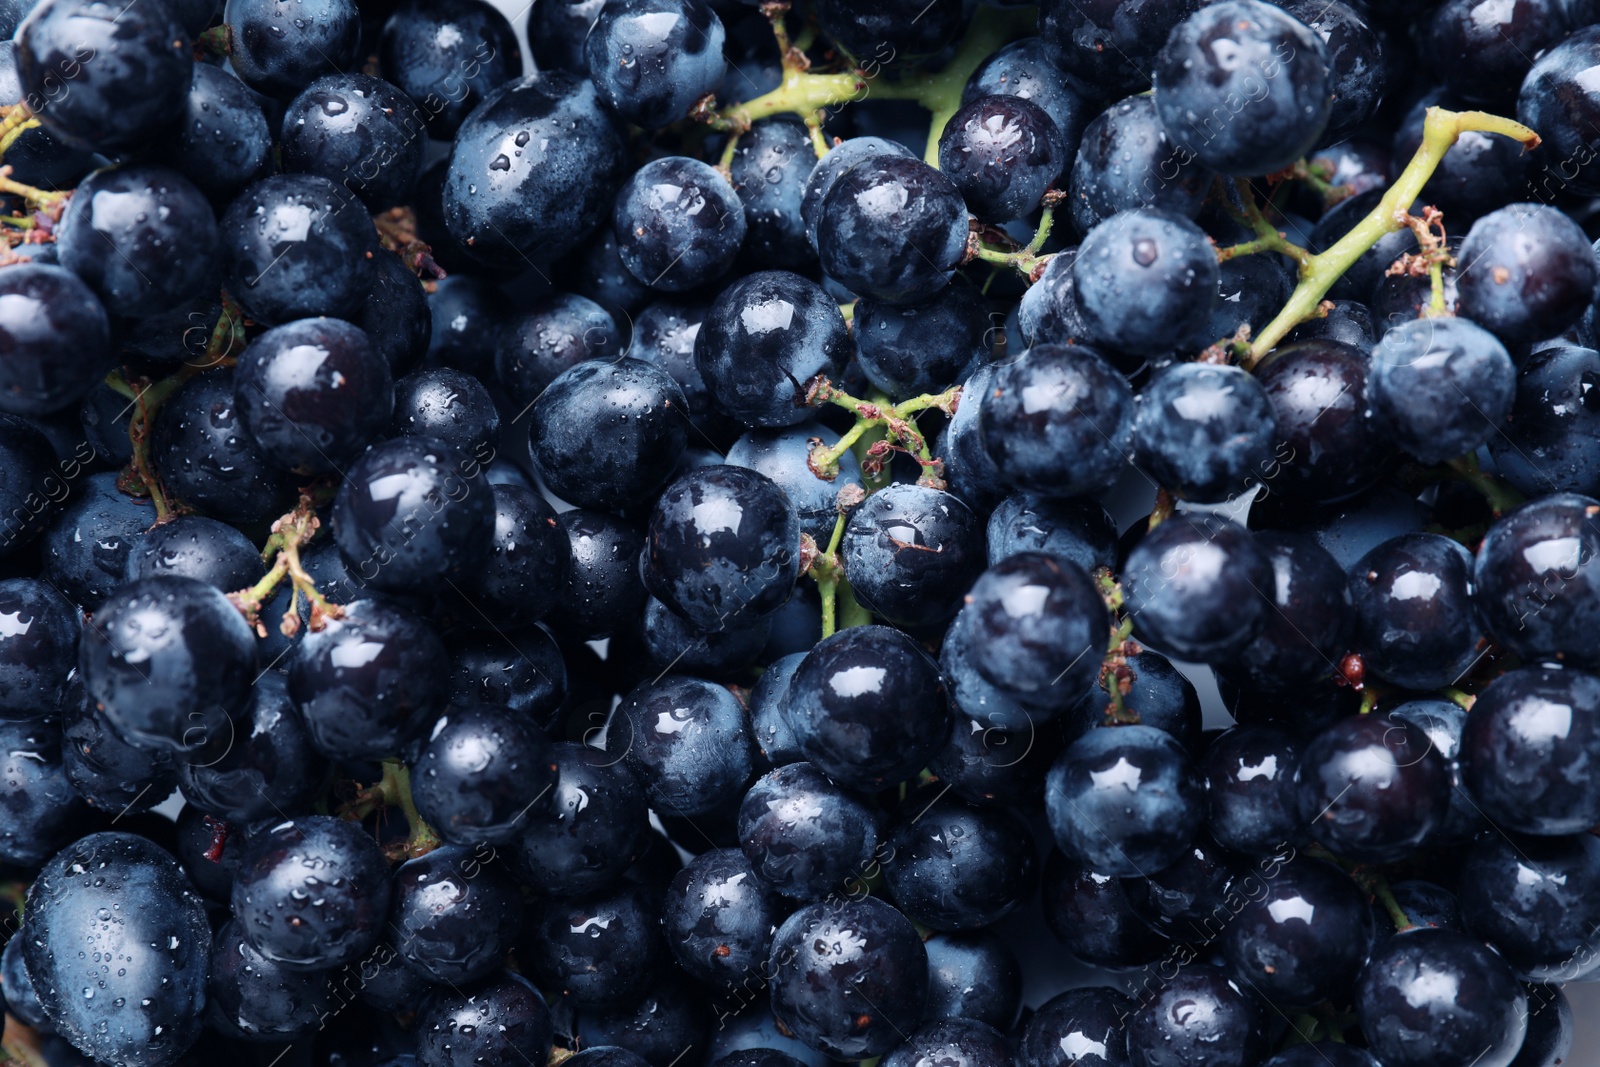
<point x="704" y="533"/>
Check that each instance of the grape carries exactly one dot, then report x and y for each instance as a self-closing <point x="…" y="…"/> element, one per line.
<point x="599" y="950"/>
<point x="849" y="976"/>
<point x="1408" y="1022"/>
<point x="651" y="60"/>
<point x="480" y="774"/>
<point x="888" y="30"/>
<point x="951" y="1040"/>
<point x="603" y="588"/>
<point x="1199" y="1010"/>
<point x="1194" y="587"/>
<point x="259" y="999"/>
<point x="1146" y="281"/>
<point x="137" y="912"/>
<point x="56" y="336"/>
<point x="910" y="349"/>
<point x="1524" y="898"/>
<point x="1003" y="153"/>
<point x="719" y="917"/>
<point x="1496" y="45"/>
<point x="590" y="828"/>
<point x="678" y="224"/>
<point x="1416" y="622"/>
<point x="1184" y="896"/>
<point x="280" y="47"/>
<point x="1124" y="799"/>
<point x="688" y="742"/>
<point x="208" y="461"/>
<point x="37" y="157"/>
<point x="721" y="547"/>
<point x="839" y="161"/>
<point x="86" y="548"/>
<point x="43" y="810"/>
<point x="1328" y="446"/>
<point x="1528" y="272"/>
<point x="953" y="866"/>
<point x="1312" y="620"/>
<point x="557" y="30"/>
<point x="295" y="246"/>
<point x="1021" y="69"/>
<point x="973" y="976"/>
<point x="266" y="767"/>
<point x="1057" y="421"/>
<point x="1480" y="172"/>
<point x="1555" y="100"/>
<point x="192" y="546"/>
<point x="1304" y="939"/>
<point x="781" y="455"/>
<point x="103" y="78"/>
<point x="367" y="683"/>
<point x="1080" y="530"/>
<point x="1204" y="431"/>
<point x="1245" y="86"/>
<point x="455" y="912"/>
<point x="1086" y="1024"/>
<point x="1090" y="914"/>
<point x="1107" y="48"/>
<point x="448" y="55"/>
<point x="38" y="648"/>
<point x="910" y="551"/>
<point x="1372" y="787"/>
<point x="1250" y="786"/>
<point x="500" y="1021"/>
<point x="892" y="228"/>
<point x="1358" y="70"/>
<point x="1127" y="160"/>
<point x="519" y="189"/>
<point x="763" y="340"/>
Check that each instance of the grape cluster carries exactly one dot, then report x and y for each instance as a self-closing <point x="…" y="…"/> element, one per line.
<point x="695" y="533"/>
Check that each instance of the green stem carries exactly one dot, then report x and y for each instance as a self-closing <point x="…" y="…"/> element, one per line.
<point x="1320" y="272"/>
<point x="800" y="93"/>
<point x="18" y="120"/>
<point x="1461" y="699"/>
<point x="282" y="549"/>
<point x="34" y="195"/>
<point x="393" y="790"/>
<point x="851" y="613"/>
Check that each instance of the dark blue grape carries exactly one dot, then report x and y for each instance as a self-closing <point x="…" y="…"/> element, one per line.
<point x="106" y="770"/>
<point x="1443" y="721"/>
<point x="87" y="546"/>
<point x="500" y="1022"/>
<point x="1527" y="750"/>
<point x="589" y="829"/>
<point x="971" y="474"/>
<point x="42" y="810"/>
<point x="1497" y="45"/>
<point x="1003" y="153"/>
<point x="719" y="918"/>
<point x="849" y="977"/>
<point x="1124" y="800"/>
<point x="763" y="340"/>
<point x="687" y="740"/>
<point x="447" y="405"/>
<point x="1205" y="432"/>
<point x="1022" y="69"/>
<point x="1078" y="530"/>
<point x="448" y="56"/>
<point x="603" y="591"/>
<point x="1185" y="898"/>
<point x="1303" y="940"/>
<point x="599" y="950"/>
<point x="1079" y="1027"/>
<point x="1435" y="997"/>
<point x="722" y="547"/>
<point x="678" y="224"/>
<point x="103" y="78"/>
<point x="1146" y="281"/>
<point x="1551" y="1028"/>
<point x="839" y="160"/>
<point x="1372" y="788"/>
<point x="279" y="47"/>
<point x="1440" y="386"/>
<point x="135" y="937"/>
<point x="1250" y="292"/>
<point x="608" y="433"/>
<point x="1108" y="48"/>
<point x="20" y="998"/>
<point x="973" y="976"/>
<point x="910" y="349"/>
<point x="295" y="246"/>
<point x="1548" y="442"/>
<point x="1313" y="617"/>
<point x="412" y="511"/>
<point x="868" y="707"/>
<point x="36" y="157"/>
<point x="651" y="60"/>
<point x="454" y="914"/>
<point x="370" y="681"/>
<point x="359" y="132"/>
<point x="553" y="334"/>
<point x="910" y="551"/>
<point x="664" y="333"/>
<point x="1038" y="627"/>
<point x="1358" y="68"/>
<point x="1245" y="86"/>
<point x="1322" y="1054"/>
<point x="142" y="237"/>
<point x="257" y="998"/>
<point x="481" y="773"/>
<point x="1199" y="1016"/>
<point x="973" y="695"/>
<point x="193" y="546"/>
<point x="668" y="1020"/>
<point x="207" y="459"/>
<point x="1534" y="587"/>
<point x="397" y="315"/>
<point x="221" y="141"/>
<point x="1194" y="587"/>
<point x="56" y="337"/>
<point x="169" y="660"/>
<point x="956" y="1042"/>
<point x="893" y="229"/>
<point x="1127" y="161"/>
<point x="522" y="669"/>
<point x="520" y="188"/>
<point x="668" y="641"/>
<point x="1328" y="443"/>
<point x="607" y="1055"/>
<point x="1556" y="100"/>
<point x="1416" y="624"/>
<point x="1090" y="914"/>
<point x="312" y="893"/>
<point x="1527" y="272"/>
<point x="468" y="315"/>
<point x="1057" y="421"/>
<point x="1528" y="898"/>
<point x="266" y="767"/>
<point x="39" y="631"/>
<point x="952" y="866"/>
<point x="769" y="173"/>
<point x="529" y="559"/>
